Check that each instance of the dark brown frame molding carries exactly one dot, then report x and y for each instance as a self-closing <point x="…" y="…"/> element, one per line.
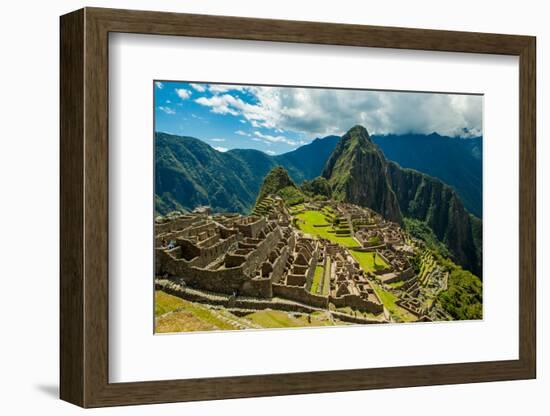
<point x="84" y="208"/>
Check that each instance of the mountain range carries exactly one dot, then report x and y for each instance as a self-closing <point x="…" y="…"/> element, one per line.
<point x="456" y="161"/>
<point x="189" y="172"/>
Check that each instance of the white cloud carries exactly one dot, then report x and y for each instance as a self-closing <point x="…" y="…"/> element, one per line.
<point x="167" y="110"/>
<point x="242" y="133"/>
<point x="270" y="152"/>
<point x="217" y="139"/>
<point x="221" y="88"/>
<point x="320" y="112"/>
<point x="199" y="87"/>
<point x="221" y="104"/>
<point x="275" y="139"/>
<point x="221" y="149"/>
<point x="183" y="93"/>
<point x="168" y="102"/>
<point x="242" y="121"/>
<point x="159" y="85"/>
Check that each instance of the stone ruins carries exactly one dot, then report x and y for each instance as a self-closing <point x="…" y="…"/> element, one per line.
<point x="265" y="256"/>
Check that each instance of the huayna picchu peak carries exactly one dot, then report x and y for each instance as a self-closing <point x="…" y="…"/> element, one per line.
<point x="356" y="171"/>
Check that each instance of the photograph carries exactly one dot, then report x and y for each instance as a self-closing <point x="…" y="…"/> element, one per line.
<point x="291" y="206"/>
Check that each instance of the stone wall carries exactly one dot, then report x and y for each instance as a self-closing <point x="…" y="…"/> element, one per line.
<point x="207" y="254"/>
<point x="252" y="229"/>
<point x="257" y="257"/>
<point x="174" y="225"/>
<point x="223" y="279"/>
<point x="299" y="294"/>
<point x="279" y="265"/>
<point x="407" y="273"/>
<point x="257" y="287"/>
<point x="168" y="261"/>
<point x="357" y="302"/>
<point x="293" y="279"/>
<point x="175" y="289"/>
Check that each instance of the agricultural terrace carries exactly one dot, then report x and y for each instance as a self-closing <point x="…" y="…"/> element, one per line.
<point x="320" y="224"/>
<point x="316" y="223"/>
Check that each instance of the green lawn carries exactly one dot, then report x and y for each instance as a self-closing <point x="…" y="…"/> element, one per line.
<point x="396" y="285"/>
<point x="368" y="262"/>
<point x="317" y="278"/>
<point x="279" y="319"/>
<point x="326" y="277"/>
<point x="308" y="220"/>
<point x="165" y="303"/>
<point x="353" y="312"/>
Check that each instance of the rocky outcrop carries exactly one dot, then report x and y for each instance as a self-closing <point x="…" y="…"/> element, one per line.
<point x="356" y="171"/>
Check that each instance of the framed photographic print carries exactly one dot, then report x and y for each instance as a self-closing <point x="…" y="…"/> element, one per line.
<point x="256" y="207"/>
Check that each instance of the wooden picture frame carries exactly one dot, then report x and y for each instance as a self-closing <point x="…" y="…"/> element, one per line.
<point x="84" y="207"/>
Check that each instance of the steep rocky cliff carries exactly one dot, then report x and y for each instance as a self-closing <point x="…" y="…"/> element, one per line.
<point x="438" y="206"/>
<point x="356" y="171"/>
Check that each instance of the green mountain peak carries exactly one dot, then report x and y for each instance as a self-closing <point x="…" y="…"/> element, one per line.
<point x="358" y="132"/>
<point x="278" y="182"/>
<point x="356" y="172"/>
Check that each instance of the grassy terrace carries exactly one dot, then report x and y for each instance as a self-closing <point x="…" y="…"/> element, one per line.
<point x="187" y="316"/>
<point x="321" y="279"/>
<point x="317" y="279"/>
<point x="315" y="223"/>
<point x="326" y="277"/>
<point x="368" y="261"/>
<point x="389" y="299"/>
<point x="173" y="314"/>
<point x="427" y="265"/>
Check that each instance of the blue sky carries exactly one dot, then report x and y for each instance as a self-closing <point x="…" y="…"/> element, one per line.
<point x="276" y="120"/>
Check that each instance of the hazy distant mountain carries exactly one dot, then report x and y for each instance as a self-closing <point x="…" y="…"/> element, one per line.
<point x="456" y="161"/>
